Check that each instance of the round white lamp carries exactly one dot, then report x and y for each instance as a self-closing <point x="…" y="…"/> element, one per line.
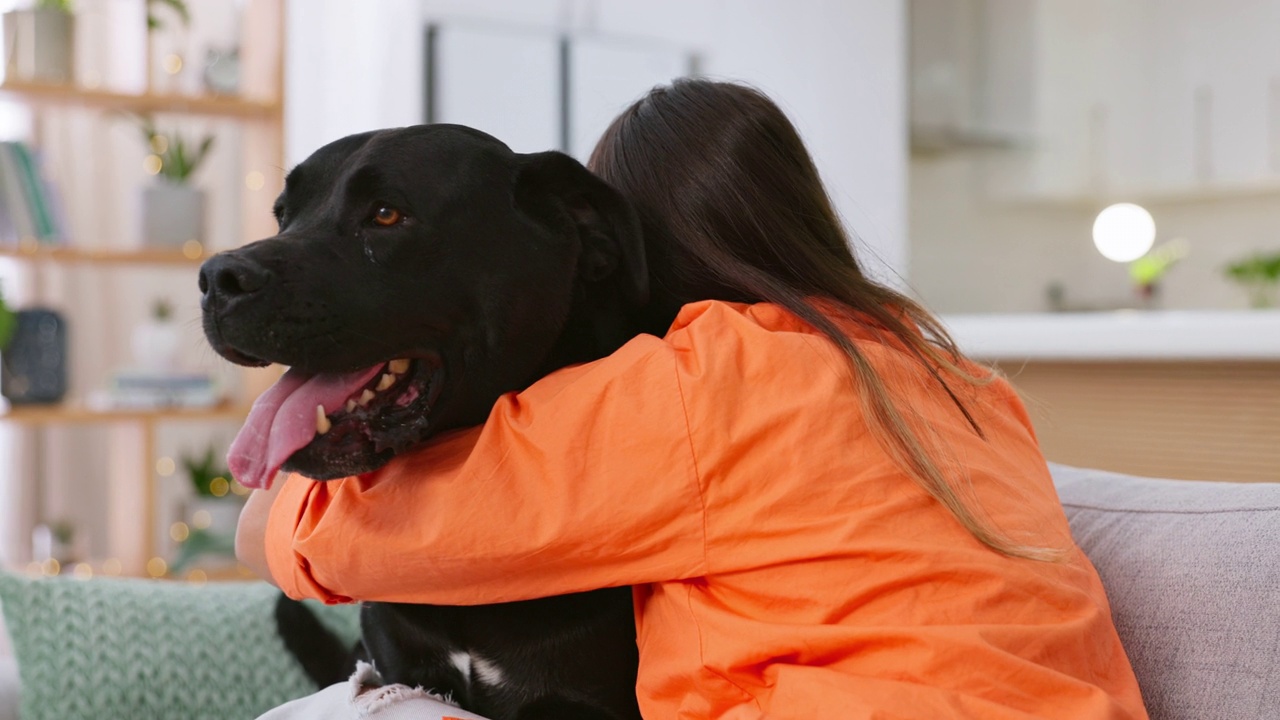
<point x="1124" y="232"/>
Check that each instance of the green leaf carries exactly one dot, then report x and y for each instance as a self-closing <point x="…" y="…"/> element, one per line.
<point x="1271" y="267"/>
<point x="178" y="162"/>
<point x="203" y="470"/>
<point x="1257" y="268"/>
<point x="161" y="310"/>
<point x="178" y="6"/>
<point x="1151" y="268"/>
<point x="205" y="147"/>
<point x="180" y="170"/>
<point x="59" y="5"/>
<point x="8" y="324"/>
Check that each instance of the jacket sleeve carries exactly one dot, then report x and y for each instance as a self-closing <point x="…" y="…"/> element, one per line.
<point x="585" y="480"/>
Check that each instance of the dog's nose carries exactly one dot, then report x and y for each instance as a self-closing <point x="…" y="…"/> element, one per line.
<point x="229" y="276"/>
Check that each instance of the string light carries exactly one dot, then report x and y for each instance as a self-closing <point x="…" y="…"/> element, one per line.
<point x="83" y="571"/>
<point x="179" y="532"/>
<point x="157" y="567"/>
<point x="159" y="144"/>
<point x="172" y="64"/>
<point x="165" y="466"/>
<point x="197" y="577"/>
<point x="192" y="249"/>
<point x="152" y="164"/>
<point x="254" y="180"/>
<point x="112" y="566"/>
<point x="219" y="486"/>
<point x="201" y="519"/>
<point x="52" y="566"/>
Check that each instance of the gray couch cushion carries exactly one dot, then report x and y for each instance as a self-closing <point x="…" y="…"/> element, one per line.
<point x="1192" y="570"/>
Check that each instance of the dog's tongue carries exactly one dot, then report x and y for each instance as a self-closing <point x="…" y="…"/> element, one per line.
<point x="283" y="420"/>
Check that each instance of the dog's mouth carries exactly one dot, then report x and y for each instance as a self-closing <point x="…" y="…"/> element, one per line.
<point x="332" y="425"/>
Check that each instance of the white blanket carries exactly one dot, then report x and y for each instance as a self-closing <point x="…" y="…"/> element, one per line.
<point x="364" y="696"/>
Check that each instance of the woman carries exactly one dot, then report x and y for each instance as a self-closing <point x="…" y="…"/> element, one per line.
<point x="825" y="510"/>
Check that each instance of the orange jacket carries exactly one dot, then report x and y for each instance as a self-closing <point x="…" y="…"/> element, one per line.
<point x="784" y="567"/>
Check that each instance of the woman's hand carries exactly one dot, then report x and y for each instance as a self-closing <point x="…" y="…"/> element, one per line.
<point x="251" y="532"/>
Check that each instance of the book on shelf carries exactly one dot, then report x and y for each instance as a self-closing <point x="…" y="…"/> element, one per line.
<point x="29" y="204"/>
<point x="149" y="390"/>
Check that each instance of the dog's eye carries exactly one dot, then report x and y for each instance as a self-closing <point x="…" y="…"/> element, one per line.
<point x="387" y="216"/>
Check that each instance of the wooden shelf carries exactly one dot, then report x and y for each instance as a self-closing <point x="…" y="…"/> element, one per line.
<point x="69" y="413"/>
<point x="134" y="528"/>
<point x="33" y="252"/>
<point x="208" y="105"/>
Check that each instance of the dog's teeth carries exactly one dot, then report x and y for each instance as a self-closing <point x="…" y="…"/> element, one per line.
<point x="387" y="381"/>
<point x="365" y="397"/>
<point x="322" y="421"/>
<point x="351" y="405"/>
<point x="398" y="366"/>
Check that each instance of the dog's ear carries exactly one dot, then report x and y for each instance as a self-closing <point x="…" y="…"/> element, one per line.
<point x="550" y="185"/>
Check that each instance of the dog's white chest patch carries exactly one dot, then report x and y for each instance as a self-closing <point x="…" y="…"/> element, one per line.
<point x="487" y="672"/>
<point x="462" y="661"/>
<point x="477" y="668"/>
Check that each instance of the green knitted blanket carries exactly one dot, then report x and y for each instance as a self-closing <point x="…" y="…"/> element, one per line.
<point x="116" y="648"/>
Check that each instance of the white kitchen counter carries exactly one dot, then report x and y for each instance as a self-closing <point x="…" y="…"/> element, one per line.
<point x="1121" y="335"/>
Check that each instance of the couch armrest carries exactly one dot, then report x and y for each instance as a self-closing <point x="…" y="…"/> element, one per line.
<point x="1192" y="571"/>
<point x="8" y="688"/>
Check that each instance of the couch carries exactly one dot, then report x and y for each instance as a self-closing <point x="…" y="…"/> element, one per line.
<point x="8" y="682"/>
<point x="1192" y="570"/>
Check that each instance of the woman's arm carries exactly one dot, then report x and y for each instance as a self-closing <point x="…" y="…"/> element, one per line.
<point x="251" y="531"/>
<point x="585" y="480"/>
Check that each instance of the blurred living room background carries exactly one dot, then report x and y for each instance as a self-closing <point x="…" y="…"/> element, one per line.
<point x="1088" y="192"/>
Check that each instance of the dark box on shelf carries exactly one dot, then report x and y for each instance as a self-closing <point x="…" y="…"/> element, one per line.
<point x="33" y="369"/>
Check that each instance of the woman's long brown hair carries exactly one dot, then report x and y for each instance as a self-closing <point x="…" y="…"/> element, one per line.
<point x="736" y="208"/>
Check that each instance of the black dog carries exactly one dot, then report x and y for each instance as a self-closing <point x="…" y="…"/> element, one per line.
<point x="447" y="270"/>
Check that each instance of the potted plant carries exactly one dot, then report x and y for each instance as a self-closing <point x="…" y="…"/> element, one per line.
<point x="215" y="507"/>
<point x="1260" y="276"/>
<point x="172" y="209"/>
<point x="156" y="341"/>
<point x="40" y="42"/>
<point x="211" y="515"/>
<point x="54" y="540"/>
<point x="1147" y="271"/>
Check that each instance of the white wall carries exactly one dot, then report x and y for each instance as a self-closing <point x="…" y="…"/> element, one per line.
<point x="836" y="66"/>
<point x="1117" y="119"/>
<point x="971" y="253"/>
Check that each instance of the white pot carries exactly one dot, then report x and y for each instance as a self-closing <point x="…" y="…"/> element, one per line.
<point x="40" y="45"/>
<point x="46" y="545"/>
<point x="172" y="214"/>
<point x="156" y="344"/>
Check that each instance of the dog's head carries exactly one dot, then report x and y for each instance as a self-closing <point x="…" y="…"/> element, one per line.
<point x="418" y="274"/>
